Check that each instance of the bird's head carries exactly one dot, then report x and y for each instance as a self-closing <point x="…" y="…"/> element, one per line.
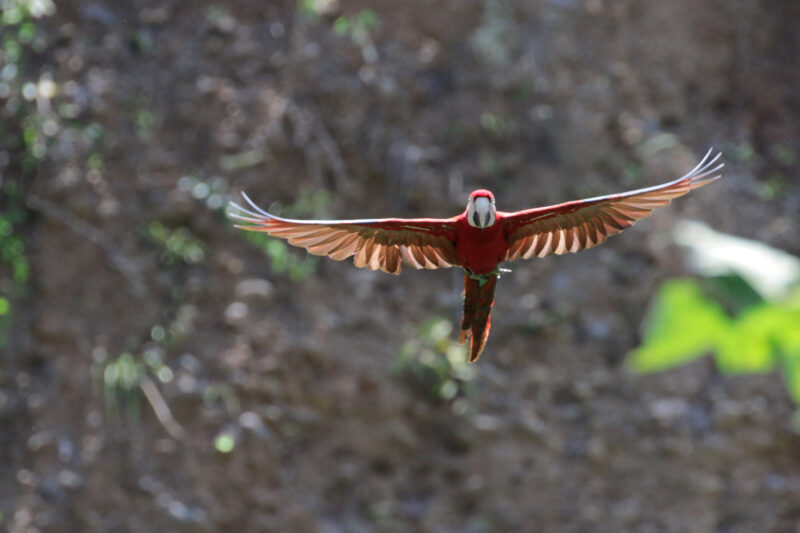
<point x="480" y="209"/>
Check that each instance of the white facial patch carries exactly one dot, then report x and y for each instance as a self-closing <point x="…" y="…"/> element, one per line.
<point x="480" y="213"/>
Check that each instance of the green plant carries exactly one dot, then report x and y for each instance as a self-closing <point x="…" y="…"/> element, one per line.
<point x="26" y="111"/>
<point x="5" y="320"/>
<point x="177" y="245"/>
<point x="745" y="310"/>
<point x="122" y="379"/>
<point x="313" y="9"/>
<point x="357" y="27"/>
<point x="435" y="364"/>
<point x="688" y="319"/>
<point x="20" y="13"/>
<point x="14" y="267"/>
<point x="25" y="127"/>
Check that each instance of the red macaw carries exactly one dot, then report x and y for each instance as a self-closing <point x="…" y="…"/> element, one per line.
<point x="478" y="239"/>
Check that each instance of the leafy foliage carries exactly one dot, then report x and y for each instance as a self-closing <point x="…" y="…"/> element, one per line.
<point x="314" y="8"/>
<point x="357" y="26"/>
<point x="178" y="245"/>
<point x="685" y="323"/>
<point x="435" y="364"/>
<point x="682" y="325"/>
<point x="26" y="126"/>
<point x="14" y="267"/>
<point x="122" y="379"/>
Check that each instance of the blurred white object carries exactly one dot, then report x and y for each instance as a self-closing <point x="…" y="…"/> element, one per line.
<point x="768" y="270"/>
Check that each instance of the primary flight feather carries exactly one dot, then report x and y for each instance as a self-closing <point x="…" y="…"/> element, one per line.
<point x="478" y="239"/>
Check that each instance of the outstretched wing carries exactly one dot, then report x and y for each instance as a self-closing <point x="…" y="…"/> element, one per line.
<point x="578" y="225"/>
<point x="377" y="244"/>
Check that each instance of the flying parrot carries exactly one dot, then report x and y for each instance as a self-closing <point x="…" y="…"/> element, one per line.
<point x="477" y="240"/>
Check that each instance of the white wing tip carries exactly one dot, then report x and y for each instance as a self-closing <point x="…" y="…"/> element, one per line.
<point x="251" y="215"/>
<point x="707" y="169"/>
<point x="254" y="206"/>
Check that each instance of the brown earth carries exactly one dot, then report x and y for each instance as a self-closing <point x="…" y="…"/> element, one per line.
<point x="541" y="101"/>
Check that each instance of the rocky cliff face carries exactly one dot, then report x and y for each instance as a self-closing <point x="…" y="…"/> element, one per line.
<point x="259" y="391"/>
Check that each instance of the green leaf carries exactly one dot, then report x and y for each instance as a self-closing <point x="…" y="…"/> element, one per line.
<point x="311" y="8"/>
<point x="342" y="25"/>
<point x="682" y="325"/>
<point x="791" y="373"/>
<point x="733" y="292"/>
<point x="11" y="16"/>
<point x="759" y="337"/>
<point x="788" y="340"/>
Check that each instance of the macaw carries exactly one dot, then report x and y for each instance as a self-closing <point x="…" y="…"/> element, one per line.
<point x="477" y="240"/>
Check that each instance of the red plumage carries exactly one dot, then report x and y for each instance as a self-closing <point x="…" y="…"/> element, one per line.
<point x="477" y="319"/>
<point x="477" y="240"/>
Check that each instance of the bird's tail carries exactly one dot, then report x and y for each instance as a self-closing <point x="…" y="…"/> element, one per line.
<point x="478" y="301"/>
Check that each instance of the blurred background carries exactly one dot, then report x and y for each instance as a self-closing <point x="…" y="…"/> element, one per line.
<point x="162" y="371"/>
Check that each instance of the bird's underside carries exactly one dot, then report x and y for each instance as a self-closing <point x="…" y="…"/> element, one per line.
<point x="478" y="239"/>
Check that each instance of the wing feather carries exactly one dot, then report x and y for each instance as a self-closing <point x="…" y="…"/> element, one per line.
<point x="430" y="255"/>
<point x="378" y="244"/>
<point x="583" y="237"/>
<point x="315" y="240"/>
<point x="393" y="259"/>
<point x="575" y="226"/>
<point x="559" y="242"/>
<point x="346" y="247"/>
<point x="543" y="246"/>
<point x="416" y="250"/>
<point x="519" y="245"/>
<point x="328" y="246"/>
<point x="408" y="257"/>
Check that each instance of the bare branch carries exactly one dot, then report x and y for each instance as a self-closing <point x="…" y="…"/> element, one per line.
<point x="115" y="255"/>
<point x="161" y="409"/>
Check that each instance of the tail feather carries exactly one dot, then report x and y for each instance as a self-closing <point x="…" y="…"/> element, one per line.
<point x="477" y="321"/>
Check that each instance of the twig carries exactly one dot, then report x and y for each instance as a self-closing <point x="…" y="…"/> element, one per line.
<point x="161" y="409"/>
<point x="115" y="255"/>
